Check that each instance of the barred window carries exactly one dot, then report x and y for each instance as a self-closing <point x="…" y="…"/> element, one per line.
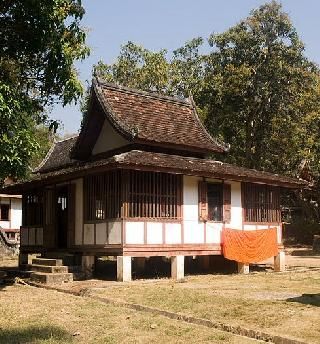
<point x="261" y="203"/>
<point x="33" y="209"/>
<point x="132" y="194"/>
<point x="154" y="195"/>
<point x="102" y="194"/>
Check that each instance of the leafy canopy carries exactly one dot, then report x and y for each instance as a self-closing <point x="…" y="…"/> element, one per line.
<point x="40" y="41"/>
<point x="253" y="85"/>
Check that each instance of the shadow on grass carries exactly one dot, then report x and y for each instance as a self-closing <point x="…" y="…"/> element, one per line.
<point x="34" y="334"/>
<point x="307" y="299"/>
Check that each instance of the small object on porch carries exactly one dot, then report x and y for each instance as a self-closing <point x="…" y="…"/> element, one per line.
<point x="243" y="268"/>
<point x="280" y="262"/>
<point x="316" y="243"/>
<point x="177" y="267"/>
<point x="124" y="268"/>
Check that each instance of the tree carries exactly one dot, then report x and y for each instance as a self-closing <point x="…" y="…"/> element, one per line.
<point x="253" y="86"/>
<point x="40" y="41"/>
<point x="263" y="91"/>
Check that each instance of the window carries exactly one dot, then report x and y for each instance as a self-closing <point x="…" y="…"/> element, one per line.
<point x="132" y="194"/>
<point x="103" y="196"/>
<point x="33" y="209"/>
<point x="261" y="203"/>
<point x="215" y="202"/>
<point x="4" y="212"/>
<point x="154" y="195"/>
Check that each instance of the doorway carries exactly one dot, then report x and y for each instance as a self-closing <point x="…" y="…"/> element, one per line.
<point x="62" y="216"/>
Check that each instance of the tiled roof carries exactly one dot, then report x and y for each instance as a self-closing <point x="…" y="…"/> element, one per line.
<point x="150" y="118"/>
<point x="168" y="163"/>
<point x="58" y="156"/>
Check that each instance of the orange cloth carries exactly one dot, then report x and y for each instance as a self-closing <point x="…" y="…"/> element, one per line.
<point x="249" y="246"/>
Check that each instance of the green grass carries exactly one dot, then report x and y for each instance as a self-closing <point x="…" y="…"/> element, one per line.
<point x="33" y="315"/>
<point x="270" y="302"/>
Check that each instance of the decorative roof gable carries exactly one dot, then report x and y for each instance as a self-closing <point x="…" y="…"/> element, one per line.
<point x="147" y="118"/>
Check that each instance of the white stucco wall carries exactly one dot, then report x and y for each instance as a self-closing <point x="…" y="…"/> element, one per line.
<point x="108" y="139"/>
<point x="236" y="206"/>
<point x="15" y="214"/>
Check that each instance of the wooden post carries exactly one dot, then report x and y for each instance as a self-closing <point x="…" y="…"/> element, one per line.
<point x="177" y="267"/>
<point x="87" y="263"/>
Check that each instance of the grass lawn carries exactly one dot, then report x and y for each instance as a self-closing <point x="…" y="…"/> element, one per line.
<point x="34" y="315"/>
<point x="270" y="302"/>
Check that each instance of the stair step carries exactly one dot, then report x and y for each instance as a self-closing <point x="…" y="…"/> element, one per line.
<point x="49" y="268"/>
<point x="51" y="278"/>
<point x="47" y="261"/>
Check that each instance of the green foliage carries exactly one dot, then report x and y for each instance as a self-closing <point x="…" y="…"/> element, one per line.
<point x="41" y="40"/>
<point x="253" y="86"/>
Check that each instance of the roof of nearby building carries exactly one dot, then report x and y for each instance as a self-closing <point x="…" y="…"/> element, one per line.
<point x="150" y="118"/>
<point x="59" y="155"/>
<point x="141" y="160"/>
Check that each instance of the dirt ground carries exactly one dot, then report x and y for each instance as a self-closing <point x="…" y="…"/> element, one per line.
<point x="285" y="304"/>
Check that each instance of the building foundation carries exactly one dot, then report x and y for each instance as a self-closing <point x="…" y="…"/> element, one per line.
<point x="177" y="267"/>
<point x="87" y="264"/>
<point x="280" y="262"/>
<point x="23" y="259"/>
<point x="124" y="269"/>
<point x="243" y="268"/>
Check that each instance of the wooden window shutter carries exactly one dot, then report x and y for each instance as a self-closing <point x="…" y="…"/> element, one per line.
<point x="227" y="203"/>
<point x="203" y="201"/>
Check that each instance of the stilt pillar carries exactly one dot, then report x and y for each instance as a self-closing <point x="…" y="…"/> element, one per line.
<point x="243" y="268"/>
<point x="23" y="259"/>
<point x="280" y="262"/>
<point x="87" y="263"/>
<point x="123" y="268"/>
<point x="177" y="267"/>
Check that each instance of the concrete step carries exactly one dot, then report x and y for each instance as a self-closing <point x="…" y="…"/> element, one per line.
<point x="47" y="261"/>
<point x="49" y="268"/>
<point x="51" y="278"/>
<point x="67" y="258"/>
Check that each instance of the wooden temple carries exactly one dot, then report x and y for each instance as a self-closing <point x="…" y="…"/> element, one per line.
<point x="139" y="181"/>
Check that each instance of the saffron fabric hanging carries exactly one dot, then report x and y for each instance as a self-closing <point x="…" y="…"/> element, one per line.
<point x="249" y="246"/>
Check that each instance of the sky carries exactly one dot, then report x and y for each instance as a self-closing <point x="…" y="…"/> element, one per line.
<point x="168" y="24"/>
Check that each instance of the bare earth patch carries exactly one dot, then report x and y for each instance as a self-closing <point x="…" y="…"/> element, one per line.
<point x="34" y="315"/>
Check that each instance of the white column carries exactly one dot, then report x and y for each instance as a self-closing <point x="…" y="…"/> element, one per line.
<point x="280" y="262"/>
<point x="123" y="268"/>
<point x="177" y="267"/>
<point x="243" y="268"/>
<point x="87" y="263"/>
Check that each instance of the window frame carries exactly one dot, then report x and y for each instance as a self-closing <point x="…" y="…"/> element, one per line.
<point x="269" y="196"/>
<point x="155" y="196"/>
<point x="220" y="205"/>
<point x="8" y="212"/>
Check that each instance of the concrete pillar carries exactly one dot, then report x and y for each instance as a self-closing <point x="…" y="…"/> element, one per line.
<point x="243" y="268"/>
<point x="140" y="263"/>
<point x="123" y="268"/>
<point x="87" y="264"/>
<point x="177" y="267"/>
<point x="23" y="259"/>
<point x="280" y="262"/>
<point x="204" y="262"/>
